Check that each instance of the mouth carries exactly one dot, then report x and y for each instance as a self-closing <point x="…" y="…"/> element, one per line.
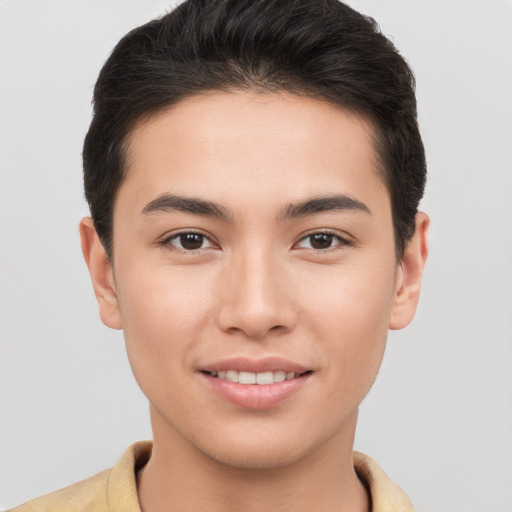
<point x="256" y="384"/>
<point x="253" y="378"/>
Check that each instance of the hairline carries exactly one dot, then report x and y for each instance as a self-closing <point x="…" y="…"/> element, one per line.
<point x="138" y="122"/>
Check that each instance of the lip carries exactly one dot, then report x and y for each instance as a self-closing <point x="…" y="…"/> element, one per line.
<point x="245" y="364"/>
<point x="255" y="396"/>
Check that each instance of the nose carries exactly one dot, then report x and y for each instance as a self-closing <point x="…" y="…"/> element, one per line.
<point x="256" y="297"/>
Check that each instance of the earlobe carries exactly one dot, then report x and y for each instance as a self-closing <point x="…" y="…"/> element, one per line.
<point x="101" y="272"/>
<point x="409" y="274"/>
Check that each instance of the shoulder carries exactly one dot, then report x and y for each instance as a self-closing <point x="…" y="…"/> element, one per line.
<point x="88" y="495"/>
<point x="386" y="495"/>
<point x="111" y="490"/>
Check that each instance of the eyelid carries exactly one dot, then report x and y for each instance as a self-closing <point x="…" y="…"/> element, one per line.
<point x="165" y="241"/>
<point x="343" y="238"/>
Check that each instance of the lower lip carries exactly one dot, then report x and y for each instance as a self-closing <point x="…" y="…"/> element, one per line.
<point x="256" y="396"/>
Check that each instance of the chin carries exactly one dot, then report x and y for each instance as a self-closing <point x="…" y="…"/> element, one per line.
<point x="255" y="456"/>
<point x="262" y="446"/>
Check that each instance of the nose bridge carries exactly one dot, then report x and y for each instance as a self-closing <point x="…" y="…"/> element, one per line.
<point x="256" y="298"/>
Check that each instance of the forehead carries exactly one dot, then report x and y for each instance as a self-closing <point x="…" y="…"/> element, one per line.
<point x="244" y="142"/>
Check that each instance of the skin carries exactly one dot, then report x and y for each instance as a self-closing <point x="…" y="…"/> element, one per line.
<point x="256" y="287"/>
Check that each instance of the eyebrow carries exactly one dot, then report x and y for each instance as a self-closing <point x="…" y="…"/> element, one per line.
<point x="170" y="202"/>
<point x="324" y="204"/>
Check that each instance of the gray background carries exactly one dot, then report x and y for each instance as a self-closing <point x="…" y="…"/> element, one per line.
<point x="439" y="419"/>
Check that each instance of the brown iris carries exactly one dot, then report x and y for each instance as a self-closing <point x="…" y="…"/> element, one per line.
<point x="321" y="240"/>
<point x="191" y="241"/>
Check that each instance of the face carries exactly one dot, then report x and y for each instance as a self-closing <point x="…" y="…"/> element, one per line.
<point x="253" y="242"/>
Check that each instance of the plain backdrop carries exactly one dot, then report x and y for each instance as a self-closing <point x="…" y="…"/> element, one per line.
<point x="439" y="419"/>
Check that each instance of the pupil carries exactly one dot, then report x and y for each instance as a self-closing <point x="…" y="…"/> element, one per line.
<point x="191" y="241"/>
<point x="321" y="241"/>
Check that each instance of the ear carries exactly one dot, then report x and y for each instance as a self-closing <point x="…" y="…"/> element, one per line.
<point x="102" y="274"/>
<point x="409" y="273"/>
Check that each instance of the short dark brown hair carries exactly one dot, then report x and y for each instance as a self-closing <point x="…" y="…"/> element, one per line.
<point x="316" y="48"/>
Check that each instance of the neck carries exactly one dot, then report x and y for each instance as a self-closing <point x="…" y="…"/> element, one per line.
<point x="179" y="477"/>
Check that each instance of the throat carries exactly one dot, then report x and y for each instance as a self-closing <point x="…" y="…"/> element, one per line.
<point x="179" y="487"/>
<point x="225" y="469"/>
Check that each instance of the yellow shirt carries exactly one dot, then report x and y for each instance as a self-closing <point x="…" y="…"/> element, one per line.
<point x="115" y="489"/>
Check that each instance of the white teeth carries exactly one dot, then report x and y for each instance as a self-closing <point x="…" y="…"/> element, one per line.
<point x="279" y="376"/>
<point x="254" y="378"/>
<point x="247" y="378"/>
<point x="232" y="376"/>
<point x="265" y="378"/>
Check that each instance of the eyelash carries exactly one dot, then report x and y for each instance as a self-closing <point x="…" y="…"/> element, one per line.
<point x="342" y="241"/>
<point x="176" y="236"/>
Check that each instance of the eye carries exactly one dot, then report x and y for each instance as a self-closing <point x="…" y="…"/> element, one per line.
<point x="322" y="241"/>
<point x="188" y="241"/>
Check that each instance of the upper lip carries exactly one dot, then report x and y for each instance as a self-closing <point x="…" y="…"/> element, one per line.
<point x="245" y="364"/>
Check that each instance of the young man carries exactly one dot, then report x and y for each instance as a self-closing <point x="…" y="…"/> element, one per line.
<point x="253" y="170"/>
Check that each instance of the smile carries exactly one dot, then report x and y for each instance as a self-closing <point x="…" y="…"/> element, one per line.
<point x="261" y="378"/>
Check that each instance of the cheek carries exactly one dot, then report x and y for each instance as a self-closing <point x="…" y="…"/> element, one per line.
<point x="350" y="314"/>
<point x="356" y="297"/>
<point x="163" y="314"/>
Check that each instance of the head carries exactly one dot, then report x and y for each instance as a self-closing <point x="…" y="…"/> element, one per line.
<point x="321" y="49"/>
<point x="254" y="170"/>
